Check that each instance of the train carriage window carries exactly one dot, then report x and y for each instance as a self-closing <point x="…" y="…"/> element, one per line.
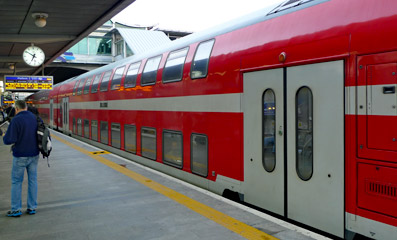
<point x="117" y="78"/>
<point x="173" y="69"/>
<point x="80" y="87"/>
<point x="288" y="4"/>
<point x="87" y="85"/>
<point x="131" y="76"/>
<point x="148" y="140"/>
<point x="86" y="128"/>
<point x="199" y="67"/>
<point x="116" y="136"/>
<point x="269" y="131"/>
<point x="105" y="81"/>
<point x="199" y="154"/>
<point x="304" y="133"/>
<point x="79" y="127"/>
<point x="150" y="71"/>
<point x="104" y="132"/>
<point x="172" y="148"/>
<point x="95" y="83"/>
<point x="75" y="87"/>
<point x="74" y="126"/>
<point x="94" y="130"/>
<point x="130" y="138"/>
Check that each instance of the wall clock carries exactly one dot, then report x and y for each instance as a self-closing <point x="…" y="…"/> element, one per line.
<point x="33" y="56"/>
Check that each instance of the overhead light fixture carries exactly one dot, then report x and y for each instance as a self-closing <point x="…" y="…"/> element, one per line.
<point x="40" y="19"/>
<point x="11" y="66"/>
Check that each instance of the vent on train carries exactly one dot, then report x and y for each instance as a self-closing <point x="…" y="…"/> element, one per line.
<point x="288" y="4"/>
<point x="381" y="189"/>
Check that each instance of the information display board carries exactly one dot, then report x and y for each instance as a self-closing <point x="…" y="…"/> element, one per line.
<point x="21" y="83"/>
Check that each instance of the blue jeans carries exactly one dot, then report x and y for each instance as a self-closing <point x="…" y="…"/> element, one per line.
<point x="19" y="165"/>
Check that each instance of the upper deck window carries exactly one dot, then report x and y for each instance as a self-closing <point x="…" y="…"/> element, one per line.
<point x="80" y="88"/>
<point x="150" y="72"/>
<point x="173" y="70"/>
<point x="95" y="83"/>
<point x="201" y="60"/>
<point x="288" y="4"/>
<point x="117" y="78"/>
<point x="105" y="81"/>
<point x="87" y="85"/>
<point x="75" y="87"/>
<point x="131" y="76"/>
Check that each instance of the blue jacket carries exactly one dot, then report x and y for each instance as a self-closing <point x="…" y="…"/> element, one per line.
<point x="22" y="132"/>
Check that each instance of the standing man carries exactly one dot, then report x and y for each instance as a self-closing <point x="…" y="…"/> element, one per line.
<point x="22" y="133"/>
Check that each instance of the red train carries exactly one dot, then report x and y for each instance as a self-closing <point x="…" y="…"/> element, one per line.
<point x="293" y="108"/>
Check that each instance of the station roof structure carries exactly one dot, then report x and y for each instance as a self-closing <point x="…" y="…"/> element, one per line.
<point x="141" y="41"/>
<point x="68" y="22"/>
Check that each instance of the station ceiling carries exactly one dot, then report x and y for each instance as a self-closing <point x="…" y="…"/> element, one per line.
<point x="68" y="22"/>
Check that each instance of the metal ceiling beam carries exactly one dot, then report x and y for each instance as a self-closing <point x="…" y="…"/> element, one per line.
<point x="11" y="59"/>
<point x="34" y="38"/>
<point x="9" y="71"/>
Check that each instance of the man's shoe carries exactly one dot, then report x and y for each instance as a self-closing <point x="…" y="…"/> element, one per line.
<point x="17" y="213"/>
<point x="31" y="211"/>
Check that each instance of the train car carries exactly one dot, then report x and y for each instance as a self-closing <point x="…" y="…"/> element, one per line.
<point x="293" y="108"/>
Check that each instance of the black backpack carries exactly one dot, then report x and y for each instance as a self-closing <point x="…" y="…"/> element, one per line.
<point x="43" y="139"/>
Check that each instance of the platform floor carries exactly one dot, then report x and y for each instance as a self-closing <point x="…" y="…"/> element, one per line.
<point x="86" y="196"/>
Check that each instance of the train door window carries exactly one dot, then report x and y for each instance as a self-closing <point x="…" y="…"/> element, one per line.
<point x="304" y="133"/>
<point x="117" y="78"/>
<point x="172" y="148"/>
<point x="75" y="87"/>
<point x="86" y="128"/>
<point x="94" y="130"/>
<point x="173" y="69"/>
<point x="130" y="138"/>
<point x="199" y="154"/>
<point x="87" y="85"/>
<point x="269" y="131"/>
<point x="80" y="87"/>
<point x="104" y="132"/>
<point x="105" y="81"/>
<point x="148" y="139"/>
<point x="131" y="76"/>
<point x="95" y="83"/>
<point x="79" y="127"/>
<point x="201" y="59"/>
<point x="150" y="72"/>
<point x="115" y="135"/>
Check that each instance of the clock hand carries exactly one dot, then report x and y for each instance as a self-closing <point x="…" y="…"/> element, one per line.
<point x="29" y="53"/>
<point x="34" y="56"/>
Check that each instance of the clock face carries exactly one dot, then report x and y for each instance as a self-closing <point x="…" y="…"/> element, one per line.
<point x="33" y="56"/>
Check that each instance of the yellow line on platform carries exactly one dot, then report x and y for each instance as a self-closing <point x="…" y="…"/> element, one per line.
<point x="228" y="222"/>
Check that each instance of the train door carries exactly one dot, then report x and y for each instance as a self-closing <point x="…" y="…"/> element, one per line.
<point x="294" y="143"/>
<point x="65" y="114"/>
<point x="52" y="112"/>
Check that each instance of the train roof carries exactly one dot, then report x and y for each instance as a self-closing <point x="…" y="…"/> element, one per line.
<point x="264" y="14"/>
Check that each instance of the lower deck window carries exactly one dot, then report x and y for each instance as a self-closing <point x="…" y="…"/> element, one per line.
<point x="172" y="148"/>
<point x="94" y="130"/>
<point x="79" y="127"/>
<point x="130" y="138"/>
<point x="104" y="132"/>
<point x="148" y="136"/>
<point x="116" y="138"/>
<point x="199" y="154"/>
<point x="86" y="128"/>
<point x="74" y="126"/>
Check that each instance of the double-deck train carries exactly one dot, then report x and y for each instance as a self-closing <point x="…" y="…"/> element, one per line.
<point x="293" y="108"/>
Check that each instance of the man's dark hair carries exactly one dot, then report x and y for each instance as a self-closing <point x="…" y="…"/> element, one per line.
<point x="20" y="104"/>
